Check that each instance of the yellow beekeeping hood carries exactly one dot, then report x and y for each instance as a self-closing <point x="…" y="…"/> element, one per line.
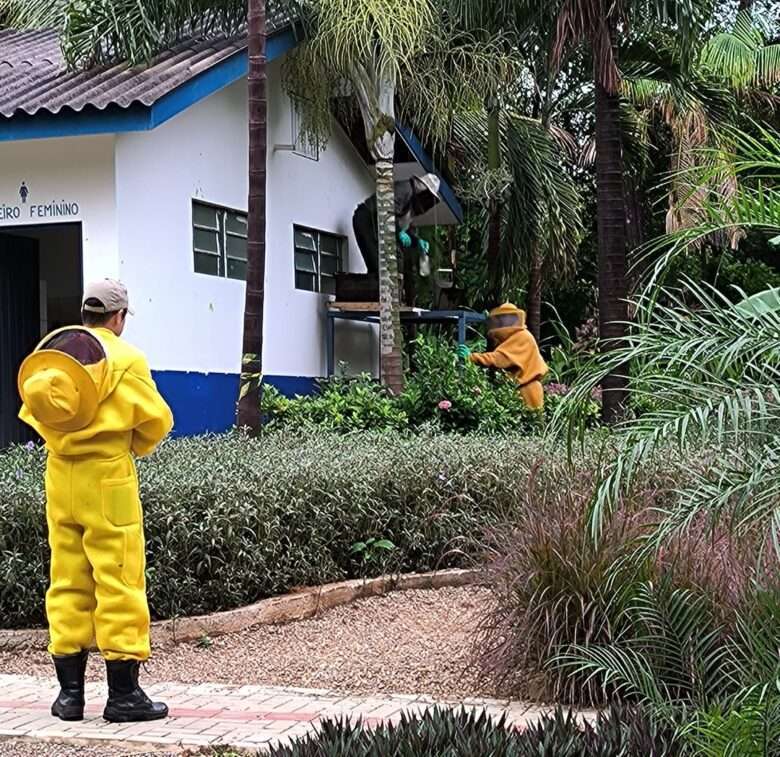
<point x="62" y="383"/>
<point x="504" y="321"/>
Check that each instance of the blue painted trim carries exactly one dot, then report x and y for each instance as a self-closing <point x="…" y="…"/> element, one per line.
<point x="426" y="162"/>
<point x="69" y="123"/>
<point x="206" y="402"/>
<point x="214" y="79"/>
<point x="114" y="119"/>
<point x="293" y="386"/>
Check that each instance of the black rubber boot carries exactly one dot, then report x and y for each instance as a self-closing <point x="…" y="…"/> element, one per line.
<point x="127" y="702"/>
<point x="69" y="705"/>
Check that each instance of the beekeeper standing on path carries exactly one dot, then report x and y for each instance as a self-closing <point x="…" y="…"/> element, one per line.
<point x="91" y="397"/>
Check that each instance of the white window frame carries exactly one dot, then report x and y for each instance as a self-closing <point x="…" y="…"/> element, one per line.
<point x="223" y="233"/>
<point x="319" y="275"/>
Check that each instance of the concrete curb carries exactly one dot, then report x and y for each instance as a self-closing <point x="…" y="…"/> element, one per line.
<point x="290" y="607"/>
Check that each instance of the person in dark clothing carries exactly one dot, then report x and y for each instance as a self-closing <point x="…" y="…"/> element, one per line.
<point x="413" y="198"/>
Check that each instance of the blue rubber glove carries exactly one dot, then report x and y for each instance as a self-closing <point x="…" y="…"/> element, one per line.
<point x="405" y="239"/>
<point x="463" y="351"/>
<point x="425" y="248"/>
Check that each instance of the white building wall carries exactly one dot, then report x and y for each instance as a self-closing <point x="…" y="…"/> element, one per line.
<point x="193" y="322"/>
<point x="77" y="172"/>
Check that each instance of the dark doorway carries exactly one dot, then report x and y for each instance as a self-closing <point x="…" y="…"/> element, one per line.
<point x="40" y="290"/>
<point x="20" y="327"/>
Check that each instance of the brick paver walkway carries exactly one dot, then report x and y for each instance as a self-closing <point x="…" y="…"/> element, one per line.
<point x="209" y="714"/>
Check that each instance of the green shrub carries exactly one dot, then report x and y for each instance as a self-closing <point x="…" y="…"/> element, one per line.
<point x="341" y="404"/>
<point x="230" y="520"/>
<point x="458" y="396"/>
<point x="441" y="392"/>
<point x="617" y="733"/>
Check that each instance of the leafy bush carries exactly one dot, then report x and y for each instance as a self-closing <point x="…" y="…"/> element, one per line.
<point x="441" y="392"/>
<point x="341" y="404"/>
<point x="230" y="520"/>
<point x="437" y="732"/>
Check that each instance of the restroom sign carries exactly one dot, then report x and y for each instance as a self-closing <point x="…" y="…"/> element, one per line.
<point x="29" y="207"/>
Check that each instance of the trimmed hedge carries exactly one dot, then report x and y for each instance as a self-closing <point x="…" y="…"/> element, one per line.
<point x="230" y="520"/>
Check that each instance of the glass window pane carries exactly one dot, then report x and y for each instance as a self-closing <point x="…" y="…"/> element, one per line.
<point x="206" y="240"/>
<point x="305" y="281"/>
<point x="305" y="261"/>
<point x="236" y="223"/>
<point x="330" y="244"/>
<point x="329" y="264"/>
<point x="236" y="247"/>
<point x="204" y="215"/>
<point x="328" y="285"/>
<point x="206" y="264"/>
<point x="305" y="239"/>
<point x="236" y="269"/>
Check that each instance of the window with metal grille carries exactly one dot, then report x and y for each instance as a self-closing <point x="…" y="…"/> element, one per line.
<point x="318" y="258"/>
<point x="301" y="144"/>
<point x="219" y="240"/>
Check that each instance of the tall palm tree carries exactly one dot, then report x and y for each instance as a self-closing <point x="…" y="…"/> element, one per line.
<point x="541" y="216"/>
<point x="387" y="50"/>
<point x="599" y="23"/>
<point x="731" y="73"/>
<point x="492" y="20"/>
<point x="106" y="32"/>
<point x="252" y="362"/>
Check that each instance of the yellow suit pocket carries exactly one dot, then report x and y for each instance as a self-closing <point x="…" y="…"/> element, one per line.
<point x="121" y="504"/>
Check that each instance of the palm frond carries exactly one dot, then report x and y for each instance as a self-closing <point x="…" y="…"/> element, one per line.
<point x="33" y="14"/>
<point x="674" y="657"/>
<point x="741" y="56"/>
<point x="100" y="32"/>
<point x="711" y="372"/>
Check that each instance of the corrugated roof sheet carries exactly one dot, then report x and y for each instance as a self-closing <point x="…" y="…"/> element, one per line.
<point x="34" y="77"/>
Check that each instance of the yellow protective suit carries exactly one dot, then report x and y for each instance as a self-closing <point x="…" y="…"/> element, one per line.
<point x="98" y="590"/>
<point x="517" y="353"/>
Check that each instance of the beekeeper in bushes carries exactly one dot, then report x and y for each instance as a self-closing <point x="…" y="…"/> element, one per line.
<point x="91" y="397"/>
<point x="514" y="351"/>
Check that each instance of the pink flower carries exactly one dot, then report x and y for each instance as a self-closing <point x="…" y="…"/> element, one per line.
<point x="559" y="390"/>
<point x="445" y="405"/>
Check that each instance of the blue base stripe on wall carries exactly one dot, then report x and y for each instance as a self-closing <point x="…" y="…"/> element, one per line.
<point x="206" y="402"/>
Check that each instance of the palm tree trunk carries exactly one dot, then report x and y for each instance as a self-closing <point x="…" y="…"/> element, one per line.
<point x="252" y="365"/>
<point x="534" y="304"/>
<point x="375" y="92"/>
<point x="391" y="346"/>
<point x="611" y="213"/>
<point x="494" y="208"/>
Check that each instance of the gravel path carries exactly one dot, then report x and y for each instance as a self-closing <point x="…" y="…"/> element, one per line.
<point x="415" y="642"/>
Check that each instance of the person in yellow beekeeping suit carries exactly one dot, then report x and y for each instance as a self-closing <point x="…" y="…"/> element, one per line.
<point x="91" y="397"/>
<point x="515" y="351"/>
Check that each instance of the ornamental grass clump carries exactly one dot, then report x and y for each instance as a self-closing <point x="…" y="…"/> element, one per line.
<point x="561" y="596"/>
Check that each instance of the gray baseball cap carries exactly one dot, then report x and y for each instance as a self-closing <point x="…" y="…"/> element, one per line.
<point x="111" y="294"/>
